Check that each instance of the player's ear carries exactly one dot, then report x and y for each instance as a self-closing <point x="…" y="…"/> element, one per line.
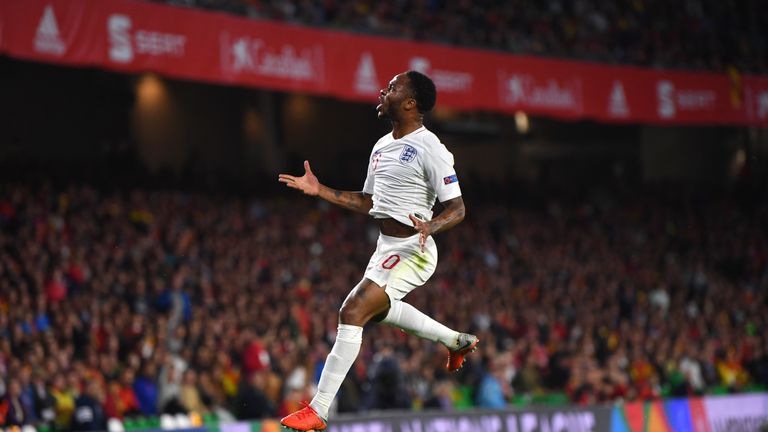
<point x="410" y="104"/>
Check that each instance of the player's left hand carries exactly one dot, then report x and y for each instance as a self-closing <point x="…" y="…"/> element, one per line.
<point x="423" y="228"/>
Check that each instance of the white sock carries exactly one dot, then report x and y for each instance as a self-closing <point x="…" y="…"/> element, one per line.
<point x="337" y="364"/>
<point x="412" y="320"/>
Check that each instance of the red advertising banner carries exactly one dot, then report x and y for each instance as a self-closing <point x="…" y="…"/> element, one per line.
<point x="134" y="36"/>
<point x="756" y="99"/>
<point x="3" y="15"/>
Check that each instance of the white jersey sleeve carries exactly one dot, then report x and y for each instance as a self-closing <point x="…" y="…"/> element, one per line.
<point x="441" y="174"/>
<point x="370" y="180"/>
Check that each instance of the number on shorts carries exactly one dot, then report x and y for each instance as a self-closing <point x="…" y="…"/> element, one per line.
<point x="391" y="261"/>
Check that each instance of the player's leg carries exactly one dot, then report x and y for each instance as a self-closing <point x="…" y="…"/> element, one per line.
<point x="365" y="301"/>
<point x="411" y="270"/>
<point x="415" y="322"/>
<point x="406" y="317"/>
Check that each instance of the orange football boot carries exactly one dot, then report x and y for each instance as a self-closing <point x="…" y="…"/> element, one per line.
<point x="467" y="344"/>
<point x="305" y="419"/>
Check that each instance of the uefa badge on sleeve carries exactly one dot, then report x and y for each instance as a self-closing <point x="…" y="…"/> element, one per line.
<point x="408" y="154"/>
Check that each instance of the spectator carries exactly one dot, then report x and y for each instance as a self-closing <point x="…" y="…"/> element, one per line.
<point x="691" y="370"/>
<point x="45" y="403"/>
<point x="190" y="396"/>
<point x="442" y="396"/>
<point x="388" y="390"/>
<point x="64" y="405"/>
<point x="12" y="407"/>
<point x="27" y="395"/>
<point x="729" y="367"/>
<point x="252" y="402"/>
<point x="255" y="356"/>
<point x="490" y="393"/>
<point x="175" y="301"/>
<point x="146" y="389"/>
<point x="169" y="388"/>
<point x="89" y="409"/>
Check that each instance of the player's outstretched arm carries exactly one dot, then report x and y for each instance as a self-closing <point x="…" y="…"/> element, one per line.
<point x="310" y="185"/>
<point x="453" y="214"/>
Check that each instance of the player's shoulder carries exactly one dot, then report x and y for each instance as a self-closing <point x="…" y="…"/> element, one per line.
<point x="424" y="135"/>
<point x="431" y="143"/>
<point x="425" y="139"/>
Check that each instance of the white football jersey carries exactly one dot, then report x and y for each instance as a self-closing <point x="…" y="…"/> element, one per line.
<point x="406" y="175"/>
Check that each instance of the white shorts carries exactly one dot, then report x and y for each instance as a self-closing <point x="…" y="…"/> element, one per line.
<point x="399" y="266"/>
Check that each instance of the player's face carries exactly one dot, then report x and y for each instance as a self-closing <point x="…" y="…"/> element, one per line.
<point x="391" y="97"/>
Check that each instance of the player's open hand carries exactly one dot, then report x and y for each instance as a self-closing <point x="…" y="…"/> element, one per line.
<point x="423" y="228"/>
<point x="307" y="183"/>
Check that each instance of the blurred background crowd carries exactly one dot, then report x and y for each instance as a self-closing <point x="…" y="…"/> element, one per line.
<point x="689" y="34"/>
<point x="117" y="304"/>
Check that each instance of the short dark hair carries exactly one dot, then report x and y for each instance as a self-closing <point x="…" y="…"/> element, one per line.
<point x="423" y="90"/>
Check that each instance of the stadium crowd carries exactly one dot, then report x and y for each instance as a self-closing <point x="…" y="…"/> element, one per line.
<point x="693" y="34"/>
<point x="145" y="302"/>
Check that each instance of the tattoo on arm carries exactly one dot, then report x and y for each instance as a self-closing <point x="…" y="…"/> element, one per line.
<point x="453" y="214"/>
<point x="355" y="201"/>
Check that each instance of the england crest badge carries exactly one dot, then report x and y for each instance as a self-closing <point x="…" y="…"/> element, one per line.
<point x="408" y="154"/>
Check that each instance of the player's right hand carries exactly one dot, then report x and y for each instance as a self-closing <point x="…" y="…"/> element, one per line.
<point x="307" y="183"/>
